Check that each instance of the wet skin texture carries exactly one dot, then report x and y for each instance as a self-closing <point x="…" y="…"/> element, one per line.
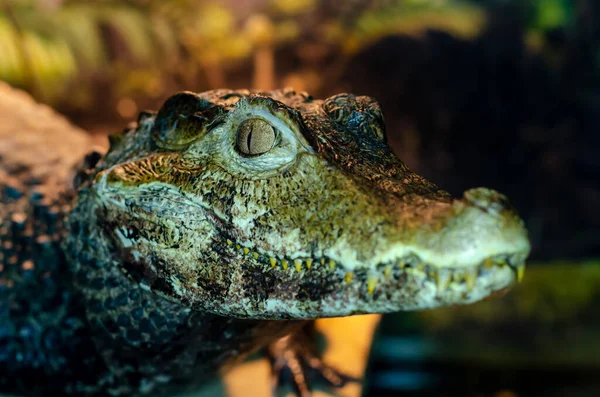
<point x="225" y="221"/>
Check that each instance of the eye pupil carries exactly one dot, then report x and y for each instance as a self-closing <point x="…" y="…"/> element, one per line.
<point x="255" y="136"/>
<point x="249" y="140"/>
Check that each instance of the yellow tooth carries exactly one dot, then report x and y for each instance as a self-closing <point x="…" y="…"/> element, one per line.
<point x="273" y="262"/>
<point x="298" y="264"/>
<point x="255" y="255"/>
<point x="308" y="263"/>
<point x="284" y="264"/>
<point x="387" y="271"/>
<point x="246" y="251"/>
<point x="520" y="272"/>
<point x="443" y="279"/>
<point x="331" y="264"/>
<point x="348" y="277"/>
<point x="237" y="246"/>
<point x="229" y="242"/>
<point x="323" y="261"/>
<point x="371" y="284"/>
<point x="470" y="277"/>
<point x="488" y="263"/>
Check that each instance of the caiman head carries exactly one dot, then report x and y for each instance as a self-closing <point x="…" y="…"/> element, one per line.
<point x="276" y="205"/>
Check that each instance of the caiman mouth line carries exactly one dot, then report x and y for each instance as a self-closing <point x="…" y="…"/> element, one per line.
<point x="442" y="276"/>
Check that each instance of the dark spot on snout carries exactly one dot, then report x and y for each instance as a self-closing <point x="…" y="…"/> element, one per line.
<point x="258" y="283"/>
<point x="318" y="286"/>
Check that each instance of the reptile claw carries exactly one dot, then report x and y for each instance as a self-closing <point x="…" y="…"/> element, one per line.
<point x="295" y="360"/>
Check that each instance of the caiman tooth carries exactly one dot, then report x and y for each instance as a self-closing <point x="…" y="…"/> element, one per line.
<point x="284" y="264"/>
<point x="470" y="277"/>
<point x="387" y="271"/>
<point x="488" y="263"/>
<point x="255" y="255"/>
<point x="322" y="260"/>
<point x="309" y="263"/>
<point x="520" y="268"/>
<point x="331" y="264"/>
<point x="348" y="277"/>
<point x="246" y="250"/>
<point x="371" y="284"/>
<point x="229" y="242"/>
<point x="273" y="261"/>
<point x="298" y="264"/>
<point x="432" y="273"/>
<point x="444" y="276"/>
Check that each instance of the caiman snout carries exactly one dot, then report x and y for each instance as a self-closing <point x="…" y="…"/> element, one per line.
<point x="483" y="225"/>
<point x="494" y="223"/>
<point x="467" y="249"/>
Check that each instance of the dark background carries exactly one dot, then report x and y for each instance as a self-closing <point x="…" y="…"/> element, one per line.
<point x="489" y="112"/>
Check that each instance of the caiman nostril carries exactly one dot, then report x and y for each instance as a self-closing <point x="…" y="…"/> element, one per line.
<point x="487" y="200"/>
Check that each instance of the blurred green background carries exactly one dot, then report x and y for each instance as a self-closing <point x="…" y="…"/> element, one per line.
<point x="503" y="94"/>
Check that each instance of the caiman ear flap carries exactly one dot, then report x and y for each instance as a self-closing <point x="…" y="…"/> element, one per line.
<point x="360" y="114"/>
<point x="184" y="118"/>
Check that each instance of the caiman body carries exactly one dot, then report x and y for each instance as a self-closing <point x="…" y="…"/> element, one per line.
<point x="216" y="226"/>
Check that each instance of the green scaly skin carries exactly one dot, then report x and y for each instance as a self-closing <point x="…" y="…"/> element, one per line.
<point x="231" y="218"/>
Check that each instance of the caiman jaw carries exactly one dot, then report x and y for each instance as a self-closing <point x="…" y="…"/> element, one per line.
<point x="434" y="270"/>
<point x="477" y="246"/>
<point x="442" y="276"/>
<point x="406" y="284"/>
<point x="493" y="273"/>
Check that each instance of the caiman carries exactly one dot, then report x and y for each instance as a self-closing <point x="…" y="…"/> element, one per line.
<point x="223" y="224"/>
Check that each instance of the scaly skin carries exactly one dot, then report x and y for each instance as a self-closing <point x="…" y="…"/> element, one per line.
<point x="208" y="223"/>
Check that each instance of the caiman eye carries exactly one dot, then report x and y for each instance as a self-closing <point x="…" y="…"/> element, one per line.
<point x="254" y="137"/>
